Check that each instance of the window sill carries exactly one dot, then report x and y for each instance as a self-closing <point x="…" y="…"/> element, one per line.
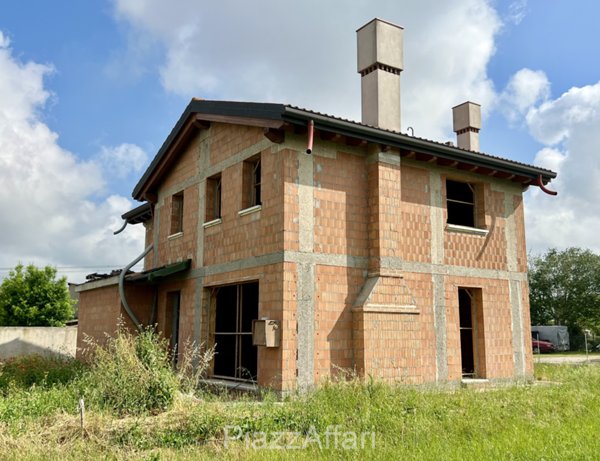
<point x="252" y="209"/>
<point x="212" y="223"/>
<point x="467" y="230"/>
<point x="175" y="236"/>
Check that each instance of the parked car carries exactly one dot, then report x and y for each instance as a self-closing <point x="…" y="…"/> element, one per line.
<point x="542" y="346"/>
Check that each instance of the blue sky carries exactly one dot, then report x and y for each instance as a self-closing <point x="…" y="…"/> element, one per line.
<point x="90" y="90"/>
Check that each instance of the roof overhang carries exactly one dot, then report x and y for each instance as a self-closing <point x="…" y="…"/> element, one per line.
<point x="139" y="214"/>
<point x="158" y="273"/>
<point x="278" y="117"/>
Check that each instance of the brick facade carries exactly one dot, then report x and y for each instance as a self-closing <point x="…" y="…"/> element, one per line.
<point x="352" y="255"/>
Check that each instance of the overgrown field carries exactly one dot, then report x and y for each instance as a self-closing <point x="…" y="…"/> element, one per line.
<point x="157" y="417"/>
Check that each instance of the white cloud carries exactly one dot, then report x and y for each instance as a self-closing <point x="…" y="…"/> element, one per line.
<point x="525" y="89"/>
<point x="570" y="124"/>
<point x="553" y="121"/>
<point x="122" y="160"/>
<point x="550" y="158"/>
<point x="517" y="10"/>
<point x="48" y="215"/>
<point x="304" y="53"/>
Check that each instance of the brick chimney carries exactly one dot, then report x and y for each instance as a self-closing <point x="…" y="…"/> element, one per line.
<point x="380" y="61"/>
<point x="466" y="118"/>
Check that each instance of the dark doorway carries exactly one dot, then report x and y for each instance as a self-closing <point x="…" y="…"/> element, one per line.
<point x="235" y="356"/>
<point x="467" y="349"/>
<point x="172" y="323"/>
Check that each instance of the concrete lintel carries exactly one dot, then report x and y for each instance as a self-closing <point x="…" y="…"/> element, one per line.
<point x="356" y="262"/>
<point x="462" y="271"/>
<point x="177" y="188"/>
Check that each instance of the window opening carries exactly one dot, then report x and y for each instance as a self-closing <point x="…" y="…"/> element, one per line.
<point x="177" y="213"/>
<point x="256" y="183"/>
<point x="213" y="207"/>
<point x="460" y="201"/>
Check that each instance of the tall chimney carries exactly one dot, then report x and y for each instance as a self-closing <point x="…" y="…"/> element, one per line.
<point x="466" y="118"/>
<point x="380" y="61"/>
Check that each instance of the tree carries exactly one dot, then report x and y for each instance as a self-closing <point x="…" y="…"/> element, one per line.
<point x="565" y="288"/>
<point x="34" y="297"/>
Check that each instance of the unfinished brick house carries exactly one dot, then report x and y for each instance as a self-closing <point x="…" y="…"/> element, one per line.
<point x="361" y="247"/>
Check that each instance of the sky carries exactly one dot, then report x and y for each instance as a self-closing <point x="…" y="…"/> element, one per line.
<point x="90" y="90"/>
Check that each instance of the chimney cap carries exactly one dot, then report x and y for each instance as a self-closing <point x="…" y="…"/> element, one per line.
<point x="380" y="20"/>
<point x="380" y="42"/>
<point x="466" y="115"/>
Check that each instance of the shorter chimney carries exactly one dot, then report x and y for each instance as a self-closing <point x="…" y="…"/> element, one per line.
<point x="380" y="61"/>
<point x="466" y="118"/>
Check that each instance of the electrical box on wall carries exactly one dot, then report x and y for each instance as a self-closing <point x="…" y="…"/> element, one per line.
<point x="266" y="333"/>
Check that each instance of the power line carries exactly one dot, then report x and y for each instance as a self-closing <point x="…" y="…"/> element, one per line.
<point x="67" y="268"/>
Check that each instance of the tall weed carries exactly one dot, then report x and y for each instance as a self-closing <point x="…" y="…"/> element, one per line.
<point x="133" y="374"/>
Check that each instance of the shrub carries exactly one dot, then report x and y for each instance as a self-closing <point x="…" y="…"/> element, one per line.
<point x="131" y="374"/>
<point x="31" y="296"/>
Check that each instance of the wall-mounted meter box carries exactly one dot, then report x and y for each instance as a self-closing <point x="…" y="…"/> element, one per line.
<point x="266" y="333"/>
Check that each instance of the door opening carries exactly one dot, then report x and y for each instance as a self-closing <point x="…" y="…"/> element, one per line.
<point x="467" y="343"/>
<point x="172" y="323"/>
<point x="235" y="355"/>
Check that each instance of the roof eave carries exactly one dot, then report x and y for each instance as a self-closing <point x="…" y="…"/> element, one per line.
<point x="399" y="140"/>
<point x="198" y="107"/>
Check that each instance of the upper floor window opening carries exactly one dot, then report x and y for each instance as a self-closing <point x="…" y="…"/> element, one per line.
<point x="460" y="203"/>
<point x="213" y="197"/>
<point x="252" y="182"/>
<point x="177" y="213"/>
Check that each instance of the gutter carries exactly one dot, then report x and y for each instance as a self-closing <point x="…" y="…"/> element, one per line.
<point x="376" y="135"/>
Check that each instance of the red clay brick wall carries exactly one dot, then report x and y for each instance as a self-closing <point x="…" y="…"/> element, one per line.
<point x="100" y="311"/>
<point x="398" y="346"/>
<point x="227" y="140"/>
<point x="180" y="246"/>
<point x="261" y="232"/>
<point x="415" y="215"/>
<point x="336" y="290"/>
<point x="341" y="211"/>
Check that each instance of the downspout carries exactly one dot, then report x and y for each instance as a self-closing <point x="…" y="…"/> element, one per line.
<point x="540" y="184"/>
<point x="311" y="134"/>
<point x="130" y="313"/>
<point x="121" y="229"/>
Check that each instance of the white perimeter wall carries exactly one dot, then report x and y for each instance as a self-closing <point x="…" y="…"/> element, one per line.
<point x="17" y="341"/>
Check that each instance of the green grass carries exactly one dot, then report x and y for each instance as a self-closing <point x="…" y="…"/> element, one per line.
<point x="549" y="422"/>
